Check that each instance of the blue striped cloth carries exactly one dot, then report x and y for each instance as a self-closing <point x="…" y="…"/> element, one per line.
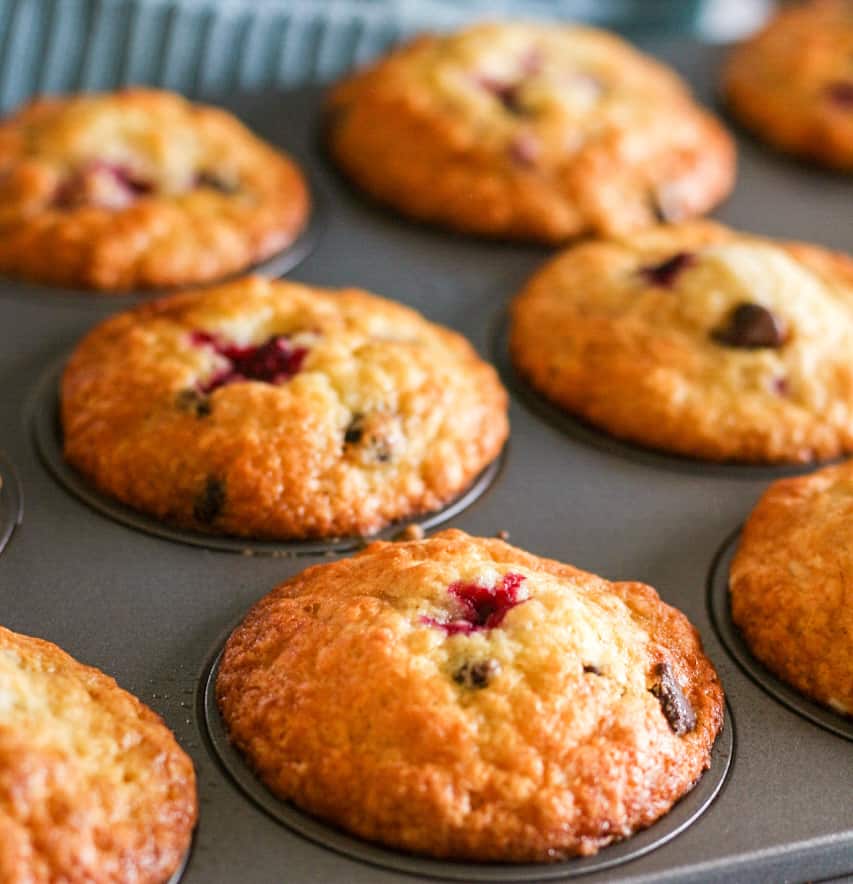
<point x="208" y="47"/>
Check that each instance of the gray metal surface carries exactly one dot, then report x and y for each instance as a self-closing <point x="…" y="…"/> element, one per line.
<point x="153" y="612"/>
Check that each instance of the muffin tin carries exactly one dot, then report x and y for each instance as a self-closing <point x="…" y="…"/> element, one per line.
<point x="154" y="612"/>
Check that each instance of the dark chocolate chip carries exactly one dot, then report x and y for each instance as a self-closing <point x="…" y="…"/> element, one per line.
<point x="211" y="180"/>
<point x="208" y="504"/>
<point x="477" y="675"/>
<point x="749" y="327"/>
<point x="840" y="92"/>
<point x="355" y="430"/>
<point x="195" y="402"/>
<point x="507" y="93"/>
<point x="674" y="705"/>
<point x="589" y="669"/>
<point x="666" y="273"/>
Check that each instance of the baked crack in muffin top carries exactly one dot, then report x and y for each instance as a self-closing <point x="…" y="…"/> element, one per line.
<point x="792" y="83"/>
<point x="461" y="698"/>
<point x="277" y="410"/>
<point x="539" y="132"/>
<point x="697" y="340"/>
<point x="140" y="189"/>
<point x="93" y="786"/>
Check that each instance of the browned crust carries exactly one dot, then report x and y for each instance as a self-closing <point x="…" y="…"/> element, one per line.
<point x="599" y="343"/>
<point x="115" y="803"/>
<point x="397" y="142"/>
<point x="279" y="449"/>
<point x="775" y="82"/>
<point x="159" y="241"/>
<point x="790" y="584"/>
<point x="327" y="687"/>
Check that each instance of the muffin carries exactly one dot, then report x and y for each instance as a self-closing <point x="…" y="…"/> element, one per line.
<point x="696" y="340"/>
<point x="460" y="698"/>
<point x="140" y="189"/>
<point x="93" y="786"/>
<point x="788" y="584"/>
<point x="276" y="410"/>
<point x="530" y="131"/>
<point x="792" y="83"/>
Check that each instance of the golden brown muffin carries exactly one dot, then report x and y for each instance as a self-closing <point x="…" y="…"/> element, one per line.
<point x="271" y="409"/>
<point x="790" y="581"/>
<point x="698" y="340"/>
<point x="792" y="83"/>
<point x="93" y="787"/>
<point x="140" y="189"/>
<point x="538" y="132"/>
<point x="460" y="698"/>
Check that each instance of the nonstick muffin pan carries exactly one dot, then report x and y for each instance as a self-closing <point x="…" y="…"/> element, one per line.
<point x="153" y="611"/>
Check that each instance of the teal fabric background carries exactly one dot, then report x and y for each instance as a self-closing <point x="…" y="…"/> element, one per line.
<point x="207" y="47"/>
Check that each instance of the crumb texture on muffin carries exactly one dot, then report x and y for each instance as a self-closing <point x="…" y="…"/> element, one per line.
<point x="271" y="409"/>
<point x="93" y="786"/>
<point x="529" y="131"/>
<point x="789" y="584"/>
<point x="140" y="189"/>
<point x="792" y="83"/>
<point x="697" y="340"/>
<point x="460" y="698"/>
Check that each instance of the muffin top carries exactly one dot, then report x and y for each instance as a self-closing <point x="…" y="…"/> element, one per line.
<point x="533" y="131"/>
<point x="793" y="84"/>
<point x="272" y="409"/>
<point x="139" y="189"/>
<point x="698" y="340"/>
<point x="93" y="786"/>
<point x="461" y="698"/>
<point x="789" y="582"/>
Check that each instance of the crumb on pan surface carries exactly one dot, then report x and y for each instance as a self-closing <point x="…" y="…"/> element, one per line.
<point x="460" y="698"/>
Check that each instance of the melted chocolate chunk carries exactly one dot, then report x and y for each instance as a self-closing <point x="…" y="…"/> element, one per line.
<point x="589" y="669"/>
<point x="208" y="505"/>
<point x="666" y="273"/>
<point x="750" y="327"/>
<point x="195" y="402"/>
<point x="477" y="675"/>
<point x="674" y="705"/>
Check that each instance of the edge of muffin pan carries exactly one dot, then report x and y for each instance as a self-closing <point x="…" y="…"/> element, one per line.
<point x="43" y="419"/>
<point x="11" y="502"/>
<point x="274" y="267"/>
<point x="720" y="615"/>
<point x="683" y="814"/>
<point x="588" y="434"/>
